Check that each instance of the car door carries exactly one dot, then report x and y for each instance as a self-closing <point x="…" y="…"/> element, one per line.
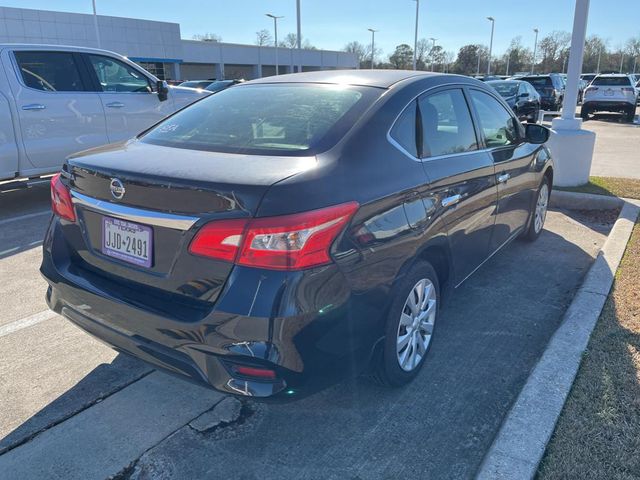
<point x="502" y="134"/>
<point x="525" y="105"/>
<point x="461" y="176"/>
<point x="127" y="95"/>
<point x="58" y="113"/>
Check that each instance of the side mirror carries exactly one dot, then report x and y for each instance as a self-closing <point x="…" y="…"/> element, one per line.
<point x="536" y="134"/>
<point x="524" y="94"/>
<point x="163" y="90"/>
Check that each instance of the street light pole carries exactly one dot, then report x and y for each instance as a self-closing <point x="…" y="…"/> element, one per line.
<point x="599" y="54"/>
<point x="621" y="60"/>
<point x="493" y="23"/>
<point x="415" y="38"/>
<point x="299" y="36"/>
<point x="95" y="23"/>
<point x="508" y="59"/>
<point x="433" y="45"/>
<point x="275" y="34"/>
<point x="373" y="44"/>
<point x="535" y="48"/>
<point x="635" y="61"/>
<point x="478" y="69"/>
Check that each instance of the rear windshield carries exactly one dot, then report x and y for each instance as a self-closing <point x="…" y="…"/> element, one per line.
<point x="612" y="81"/>
<point x="539" y="81"/>
<point x="276" y="119"/>
<point x="505" y="89"/>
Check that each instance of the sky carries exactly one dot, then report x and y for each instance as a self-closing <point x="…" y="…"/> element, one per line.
<point x="330" y="24"/>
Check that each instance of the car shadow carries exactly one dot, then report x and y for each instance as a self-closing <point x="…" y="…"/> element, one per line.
<point x="102" y="381"/>
<point x="489" y="337"/>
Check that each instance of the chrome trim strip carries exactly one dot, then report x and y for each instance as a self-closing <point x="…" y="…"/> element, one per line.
<point x="149" y="217"/>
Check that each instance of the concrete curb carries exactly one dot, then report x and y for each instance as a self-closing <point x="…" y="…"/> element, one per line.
<point x="525" y="432"/>
<point x="583" y="201"/>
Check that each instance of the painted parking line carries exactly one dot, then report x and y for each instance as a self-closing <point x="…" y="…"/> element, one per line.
<point x="25" y="217"/>
<point x="23" y="323"/>
<point x="21" y="247"/>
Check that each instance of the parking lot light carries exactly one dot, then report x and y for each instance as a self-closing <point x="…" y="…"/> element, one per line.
<point x="415" y="38"/>
<point x="535" y="48"/>
<point x="275" y="34"/>
<point x="493" y="24"/>
<point x="373" y="44"/>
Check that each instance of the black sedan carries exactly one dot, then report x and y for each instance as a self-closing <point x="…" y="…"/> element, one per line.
<point x="521" y="97"/>
<point x="277" y="236"/>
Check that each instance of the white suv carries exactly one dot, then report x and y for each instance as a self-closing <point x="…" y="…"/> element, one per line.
<point x="610" y="93"/>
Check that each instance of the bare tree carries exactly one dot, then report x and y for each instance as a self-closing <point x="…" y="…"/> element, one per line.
<point x="263" y="37"/>
<point x="207" y="37"/>
<point x="553" y="49"/>
<point x="291" y="41"/>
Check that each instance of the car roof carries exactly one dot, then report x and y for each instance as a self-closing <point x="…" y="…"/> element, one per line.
<point x="505" y="81"/>
<point x="370" y="78"/>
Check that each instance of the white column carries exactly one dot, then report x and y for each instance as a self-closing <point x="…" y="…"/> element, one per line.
<point x="571" y="147"/>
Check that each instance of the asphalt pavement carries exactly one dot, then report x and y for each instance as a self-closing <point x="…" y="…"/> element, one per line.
<point x="73" y="408"/>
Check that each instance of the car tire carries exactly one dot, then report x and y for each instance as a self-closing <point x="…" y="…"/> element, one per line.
<point x="584" y="113"/>
<point x="398" y="364"/>
<point x="538" y="212"/>
<point x="630" y="114"/>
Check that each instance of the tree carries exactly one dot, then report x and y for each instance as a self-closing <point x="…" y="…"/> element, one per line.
<point x="207" y="37"/>
<point x="362" y="52"/>
<point x="467" y="60"/>
<point x="291" y="41"/>
<point x="553" y="50"/>
<point x="263" y="37"/>
<point x="594" y="46"/>
<point x="518" y="57"/>
<point x="402" y="57"/>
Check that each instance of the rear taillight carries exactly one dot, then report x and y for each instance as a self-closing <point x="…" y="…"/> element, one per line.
<point x="61" y="200"/>
<point x="260" y="373"/>
<point x="288" y="242"/>
<point x="628" y="90"/>
<point x="590" y="90"/>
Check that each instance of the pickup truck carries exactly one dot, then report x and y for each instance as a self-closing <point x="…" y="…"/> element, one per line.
<point x="58" y="100"/>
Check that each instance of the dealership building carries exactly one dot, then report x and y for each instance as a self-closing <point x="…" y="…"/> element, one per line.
<point x="159" y="48"/>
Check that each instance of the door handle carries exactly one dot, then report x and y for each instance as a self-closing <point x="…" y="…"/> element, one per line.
<point x="115" y="105"/>
<point x="33" y="106"/>
<point x="452" y="200"/>
<point x="503" y="178"/>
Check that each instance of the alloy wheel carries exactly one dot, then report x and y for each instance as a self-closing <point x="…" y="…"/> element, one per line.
<point x="541" y="207"/>
<point x="416" y="325"/>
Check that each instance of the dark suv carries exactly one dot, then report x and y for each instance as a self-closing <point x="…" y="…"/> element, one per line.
<point x="281" y="234"/>
<point x="550" y="87"/>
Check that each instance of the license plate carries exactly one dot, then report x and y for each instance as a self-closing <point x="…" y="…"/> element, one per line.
<point x="609" y="92"/>
<point x="127" y="241"/>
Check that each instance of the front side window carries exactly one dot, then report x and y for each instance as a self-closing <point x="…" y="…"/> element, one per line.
<point x="447" y="127"/>
<point x="496" y="123"/>
<point x="49" y="71"/>
<point x="116" y="76"/>
<point x="282" y="119"/>
<point x="404" y="130"/>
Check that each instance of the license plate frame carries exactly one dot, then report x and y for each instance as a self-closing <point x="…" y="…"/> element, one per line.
<point x="130" y="247"/>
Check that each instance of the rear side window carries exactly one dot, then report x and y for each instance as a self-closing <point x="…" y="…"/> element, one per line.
<point x="497" y="124"/>
<point x="404" y="130"/>
<point x="612" y="81"/>
<point x="116" y="76"/>
<point x="447" y="127"/>
<point x="49" y="71"/>
<point x="265" y="119"/>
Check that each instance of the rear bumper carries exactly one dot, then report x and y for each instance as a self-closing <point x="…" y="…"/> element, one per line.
<point x="608" y="105"/>
<point x="302" y="325"/>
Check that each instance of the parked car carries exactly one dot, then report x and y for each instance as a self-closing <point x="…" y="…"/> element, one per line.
<point x="520" y="96"/>
<point x="197" y="83"/>
<point x="638" y="91"/>
<point x="588" y="77"/>
<point x="610" y="93"/>
<point x="57" y="100"/>
<point x="550" y="87"/>
<point x="223" y="84"/>
<point x="289" y="231"/>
